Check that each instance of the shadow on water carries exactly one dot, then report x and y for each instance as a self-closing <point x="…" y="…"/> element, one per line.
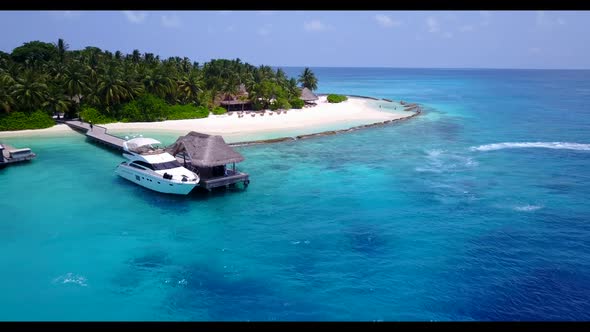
<point x="105" y="148"/>
<point x="150" y="260"/>
<point x="177" y="204"/>
<point x="447" y="128"/>
<point x="140" y="269"/>
<point x="20" y="164"/>
<point x="231" y="297"/>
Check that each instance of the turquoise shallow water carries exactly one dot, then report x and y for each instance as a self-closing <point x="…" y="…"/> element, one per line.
<point x="428" y="219"/>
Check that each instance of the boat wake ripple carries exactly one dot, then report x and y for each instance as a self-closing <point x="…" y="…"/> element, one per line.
<point x="439" y="161"/>
<point x="546" y="145"/>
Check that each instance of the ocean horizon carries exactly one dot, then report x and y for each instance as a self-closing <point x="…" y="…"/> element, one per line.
<point x="476" y="210"/>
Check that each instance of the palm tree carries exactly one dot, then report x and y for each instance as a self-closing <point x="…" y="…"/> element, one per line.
<point x="292" y="89"/>
<point x="308" y="79"/>
<point x="6" y="86"/>
<point x="75" y="81"/>
<point x="135" y="56"/>
<point x="111" y="88"/>
<point x="56" y="102"/>
<point x="158" y="83"/>
<point x="190" y="86"/>
<point x="281" y="76"/>
<point x="62" y="47"/>
<point x="186" y="65"/>
<point x="29" y="91"/>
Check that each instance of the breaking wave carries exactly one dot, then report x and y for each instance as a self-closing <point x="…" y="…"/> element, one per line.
<point x="546" y="145"/>
<point x="70" y="278"/>
<point x="527" y="207"/>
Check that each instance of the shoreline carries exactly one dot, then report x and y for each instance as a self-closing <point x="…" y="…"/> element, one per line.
<point x="358" y="112"/>
<point x="417" y="112"/>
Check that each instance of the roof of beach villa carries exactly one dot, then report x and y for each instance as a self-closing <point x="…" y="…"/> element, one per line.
<point x="242" y="90"/>
<point x="307" y="95"/>
<point x="205" y="150"/>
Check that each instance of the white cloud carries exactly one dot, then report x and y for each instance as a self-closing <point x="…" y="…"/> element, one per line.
<point x="485" y="17"/>
<point x="466" y="28"/>
<point x="386" y="21"/>
<point x="224" y="12"/>
<point x="265" y="30"/>
<point x="433" y="25"/>
<point x="135" y="17"/>
<point x="544" y="20"/>
<point x="171" y="21"/>
<point x="314" y="25"/>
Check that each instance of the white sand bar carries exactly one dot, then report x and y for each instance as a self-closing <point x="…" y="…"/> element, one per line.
<point x="354" y="110"/>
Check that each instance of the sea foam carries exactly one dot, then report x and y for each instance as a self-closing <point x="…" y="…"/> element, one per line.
<point x="70" y="278"/>
<point x="546" y="145"/>
<point x="527" y="207"/>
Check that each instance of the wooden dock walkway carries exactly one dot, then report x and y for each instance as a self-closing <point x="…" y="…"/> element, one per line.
<point x="98" y="134"/>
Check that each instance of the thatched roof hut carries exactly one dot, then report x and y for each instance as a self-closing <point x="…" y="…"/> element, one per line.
<point x="307" y="95"/>
<point x="205" y="150"/>
<point x="242" y="90"/>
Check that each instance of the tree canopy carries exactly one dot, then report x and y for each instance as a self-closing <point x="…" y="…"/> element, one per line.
<point x="54" y="79"/>
<point x="308" y="79"/>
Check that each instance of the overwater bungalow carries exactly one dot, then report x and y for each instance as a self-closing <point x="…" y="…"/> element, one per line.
<point x="10" y="155"/>
<point x="209" y="156"/>
<point x="308" y="97"/>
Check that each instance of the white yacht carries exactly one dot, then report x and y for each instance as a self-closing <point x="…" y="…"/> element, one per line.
<point x="154" y="168"/>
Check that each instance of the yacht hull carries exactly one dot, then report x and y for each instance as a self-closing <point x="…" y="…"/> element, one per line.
<point x="153" y="182"/>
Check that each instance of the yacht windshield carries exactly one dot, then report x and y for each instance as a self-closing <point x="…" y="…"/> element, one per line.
<point x="166" y="165"/>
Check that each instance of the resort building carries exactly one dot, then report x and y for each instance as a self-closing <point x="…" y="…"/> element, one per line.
<point x="238" y="102"/>
<point x="308" y="97"/>
<point x="208" y="156"/>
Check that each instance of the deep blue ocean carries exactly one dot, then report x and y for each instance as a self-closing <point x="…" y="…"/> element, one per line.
<point x="479" y="209"/>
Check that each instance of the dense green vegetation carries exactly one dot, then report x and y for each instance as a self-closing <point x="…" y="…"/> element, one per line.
<point x="332" y="98"/>
<point x="20" y="121"/>
<point x="90" y="114"/>
<point x="105" y="86"/>
<point x="296" y="103"/>
<point x="218" y="110"/>
<point x="179" y="112"/>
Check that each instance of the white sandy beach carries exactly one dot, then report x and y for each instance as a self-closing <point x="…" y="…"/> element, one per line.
<point x="354" y="110"/>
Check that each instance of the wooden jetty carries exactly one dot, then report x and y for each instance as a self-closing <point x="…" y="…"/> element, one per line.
<point x="10" y="155"/>
<point x="210" y="154"/>
<point x="97" y="134"/>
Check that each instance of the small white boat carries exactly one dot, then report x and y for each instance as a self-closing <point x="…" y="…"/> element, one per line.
<point x="154" y="168"/>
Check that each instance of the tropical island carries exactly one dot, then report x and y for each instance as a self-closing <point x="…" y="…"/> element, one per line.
<point x="41" y="83"/>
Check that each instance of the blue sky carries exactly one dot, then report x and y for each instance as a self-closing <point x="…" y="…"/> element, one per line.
<point x="431" y="39"/>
